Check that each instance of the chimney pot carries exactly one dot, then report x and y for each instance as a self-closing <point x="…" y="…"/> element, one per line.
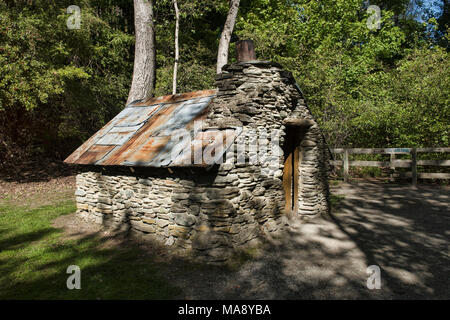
<point x="245" y="51"/>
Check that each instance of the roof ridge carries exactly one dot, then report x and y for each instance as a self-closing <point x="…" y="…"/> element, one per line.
<point x="172" y="98"/>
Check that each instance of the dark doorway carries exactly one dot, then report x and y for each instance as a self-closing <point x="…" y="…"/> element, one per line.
<point x="292" y="158"/>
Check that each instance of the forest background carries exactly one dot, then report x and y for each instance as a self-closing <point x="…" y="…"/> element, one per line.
<point x="367" y="87"/>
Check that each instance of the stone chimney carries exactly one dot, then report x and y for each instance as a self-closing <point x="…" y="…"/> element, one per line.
<point x="253" y="93"/>
<point x="259" y="96"/>
<point x="245" y="51"/>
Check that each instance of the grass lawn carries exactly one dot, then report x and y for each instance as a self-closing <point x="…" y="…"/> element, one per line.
<point x="34" y="258"/>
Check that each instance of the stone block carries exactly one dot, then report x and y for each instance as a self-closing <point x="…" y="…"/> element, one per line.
<point x="185" y="219"/>
<point x="80" y="193"/>
<point x="179" y="232"/>
<point x="141" y="226"/>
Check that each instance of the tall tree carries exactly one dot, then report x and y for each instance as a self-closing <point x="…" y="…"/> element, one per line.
<point x="222" y="55"/>
<point x="144" y="75"/>
<point x="175" y="65"/>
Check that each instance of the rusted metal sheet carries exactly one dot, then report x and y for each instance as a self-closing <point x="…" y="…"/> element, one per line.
<point x="135" y="116"/>
<point x="118" y="135"/>
<point x="207" y="147"/>
<point x="153" y="147"/>
<point x="175" y="98"/>
<point x="94" y="153"/>
<point x="145" y="134"/>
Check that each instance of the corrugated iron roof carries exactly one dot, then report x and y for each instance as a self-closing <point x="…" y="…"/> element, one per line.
<point x="142" y="134"/>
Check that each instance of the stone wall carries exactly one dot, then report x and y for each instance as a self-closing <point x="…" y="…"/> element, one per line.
<point x="206" y="213"/>
<point x="210" y="212"/>
<point x="261" y="95"/>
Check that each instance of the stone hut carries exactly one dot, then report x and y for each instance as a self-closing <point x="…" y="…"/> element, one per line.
<point x="208" y="172"/>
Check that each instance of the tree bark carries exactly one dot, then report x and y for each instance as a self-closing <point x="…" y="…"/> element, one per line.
<point x="144" y="76"/>
<point x="222" y="55"/>
<point x="175" y="65"/>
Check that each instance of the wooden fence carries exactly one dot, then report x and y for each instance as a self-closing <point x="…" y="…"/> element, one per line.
<point x="395" y="163"/>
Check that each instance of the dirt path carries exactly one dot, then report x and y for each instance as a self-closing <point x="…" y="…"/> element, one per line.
<point x="37" y="193"/>
<point x="405" y="231"/>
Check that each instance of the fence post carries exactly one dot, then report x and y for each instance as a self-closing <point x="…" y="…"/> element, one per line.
<point x="345" y="165"/>
<point x="392" y="167"/>
<point x="414" y="166"/>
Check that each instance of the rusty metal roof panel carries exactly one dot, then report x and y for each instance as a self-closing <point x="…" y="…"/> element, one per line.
<point x="142" y="134"/>
<point x="207" y="147"/>
<point x="118" y="135"/>
<point x="175" y="98"/>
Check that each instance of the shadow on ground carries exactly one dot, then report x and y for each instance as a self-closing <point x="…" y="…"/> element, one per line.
<point x="34" y="258"/>
<point x="404" y="231"/>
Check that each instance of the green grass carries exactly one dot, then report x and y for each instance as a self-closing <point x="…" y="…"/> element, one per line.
<point x="34" y="258"/>
<point x="335" y="183"/>
<point x="335" y="201"/>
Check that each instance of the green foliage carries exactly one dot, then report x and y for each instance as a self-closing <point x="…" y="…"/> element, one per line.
<point x="62" y="84"/>
<point x="200" y="26"/>
<point x="361" y="84"/>
<point x="367" y="88"/>
<point x="413" y="108"/>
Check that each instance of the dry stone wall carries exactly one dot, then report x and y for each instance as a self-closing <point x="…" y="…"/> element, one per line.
<point x="261" y="95"/>
<point x="206" y="213"/>
<point x="211" y="212"/>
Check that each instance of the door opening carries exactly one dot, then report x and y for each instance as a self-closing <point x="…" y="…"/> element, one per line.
<point x="292" y="155"/>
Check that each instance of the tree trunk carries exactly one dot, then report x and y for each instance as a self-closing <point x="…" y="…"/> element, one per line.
<point x="144" y="75"/>
<point x="222" y="56"/>
<point x="175" y="65"/>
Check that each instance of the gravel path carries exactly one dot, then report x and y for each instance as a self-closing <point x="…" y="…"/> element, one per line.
<point x="404" y="231"/>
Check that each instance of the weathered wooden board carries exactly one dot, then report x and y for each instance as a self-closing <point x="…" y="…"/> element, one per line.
<point x="438" y="163"/>
<point x="373" y="151"/>
<point x="394" y="163"/>
<point x="433" y="149"/>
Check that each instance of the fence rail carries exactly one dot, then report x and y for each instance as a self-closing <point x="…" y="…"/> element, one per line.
<point x="394" y="163"/>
